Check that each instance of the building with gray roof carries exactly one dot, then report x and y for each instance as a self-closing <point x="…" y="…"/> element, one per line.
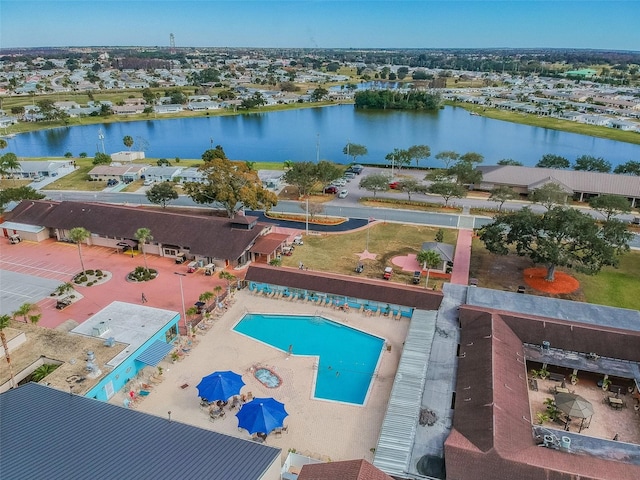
<point x="583" y="185"/>
<point x="47" y="433"/>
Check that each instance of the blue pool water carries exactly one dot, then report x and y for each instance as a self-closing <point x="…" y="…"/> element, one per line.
<point x="347" y="357"/>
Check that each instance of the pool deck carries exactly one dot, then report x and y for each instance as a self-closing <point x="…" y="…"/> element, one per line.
<point x="321" y="429"/>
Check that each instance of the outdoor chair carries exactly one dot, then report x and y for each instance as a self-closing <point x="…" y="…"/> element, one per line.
<point x="249" y="396"/>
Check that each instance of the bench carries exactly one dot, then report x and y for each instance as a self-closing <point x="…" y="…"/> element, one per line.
<point x="556" y="377"/>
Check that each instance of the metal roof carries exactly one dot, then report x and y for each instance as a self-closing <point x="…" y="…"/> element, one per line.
<point x="155" y="353"/>
<point x="86" y="438"/>
<point x="395" y="444"/>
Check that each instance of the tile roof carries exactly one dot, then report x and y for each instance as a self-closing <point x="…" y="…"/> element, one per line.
<point x="86" y="438"/>
<point x="578" y="181"/>
<point x="345" y="470"/>
<point x="208" y="236"/>
<point x="365" y="288"/>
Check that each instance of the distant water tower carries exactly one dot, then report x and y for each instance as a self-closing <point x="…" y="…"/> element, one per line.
<point x="172" y="43"/>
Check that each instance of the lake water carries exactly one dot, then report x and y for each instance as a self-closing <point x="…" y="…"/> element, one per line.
<point x="299" y="135"/>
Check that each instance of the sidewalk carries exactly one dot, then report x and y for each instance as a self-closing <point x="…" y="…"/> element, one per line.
<point x="462" y="259"/>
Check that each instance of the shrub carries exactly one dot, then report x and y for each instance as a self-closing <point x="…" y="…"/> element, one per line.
<point x="90" y="283"/>
<point x="99" y="273"/>
<point x="89" y="272"/>
<point x="83" y="278"/>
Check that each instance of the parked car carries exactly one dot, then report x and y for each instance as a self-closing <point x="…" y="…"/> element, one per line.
<point x="394" y="185"/>
<point x="148" y="182"/>
<point x="181" y="258"/>
<point x="112" y="182"/>
<point x="331" y="189"/>
<point x="340" y="182"/>
<point x="388" y="271"/>
<point x="359" y="268"/>
<point x="349" y="175"/>
<point x="357" y="169"/>
<point x="416" y="277"/>
<point x="343" y="193"/>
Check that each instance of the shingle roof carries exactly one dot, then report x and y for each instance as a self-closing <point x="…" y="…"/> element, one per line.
<point x="85" y="438"/>
<point x="492" y="431"/>
<point x="365" y="288"/>
<point x="207" y="236"/>
<point x="578" y="181"/>
<point x="345" y="470"/>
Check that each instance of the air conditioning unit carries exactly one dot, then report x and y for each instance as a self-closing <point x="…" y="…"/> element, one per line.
<point x="100" y="329"/>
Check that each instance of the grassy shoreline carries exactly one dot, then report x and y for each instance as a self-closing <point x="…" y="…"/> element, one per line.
<point x="549" y="122"/>
<point x="25" y="127"/>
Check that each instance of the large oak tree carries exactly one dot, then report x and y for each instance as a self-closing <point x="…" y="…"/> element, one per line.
<point x="561" y="237"/>
<point x="233" y="185"/>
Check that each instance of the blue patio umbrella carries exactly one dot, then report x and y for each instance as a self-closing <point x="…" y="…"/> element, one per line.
<point x="261" y="415"/>
<point x="220" y="386"/>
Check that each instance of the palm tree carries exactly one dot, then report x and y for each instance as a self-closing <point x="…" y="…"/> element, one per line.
<point x="4" y="323"/>
<point x="9" y="163"/>
<point x="429" y="259"/>
<point x="217" y="289"/>
<point x="288" y="164"/>
<point x="143" y="235"/>
<point x="229" y="278"/>
<point x="29" y="312"/>
<point x="206" y="297"/>
<point x="77" y="236"/>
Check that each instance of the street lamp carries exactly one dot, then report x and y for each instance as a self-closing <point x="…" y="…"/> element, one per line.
<point x="184" y="313"/>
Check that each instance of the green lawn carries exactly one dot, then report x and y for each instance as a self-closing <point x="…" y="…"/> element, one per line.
<point x="616" y="287"/>
<point x="552" y="123"/>
<point x="337" y="252"/>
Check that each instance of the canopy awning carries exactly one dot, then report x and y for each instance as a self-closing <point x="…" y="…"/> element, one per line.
<point x="154" y="353"/>
<point x="127" y="243"/>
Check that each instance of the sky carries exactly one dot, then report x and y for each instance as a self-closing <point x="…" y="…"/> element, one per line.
<point x="593" y="24"/>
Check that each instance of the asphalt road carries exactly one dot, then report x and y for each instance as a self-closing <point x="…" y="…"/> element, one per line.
<point x="342" y="207"/>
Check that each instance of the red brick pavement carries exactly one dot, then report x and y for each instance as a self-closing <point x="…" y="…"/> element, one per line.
<point x="61" y="261"/>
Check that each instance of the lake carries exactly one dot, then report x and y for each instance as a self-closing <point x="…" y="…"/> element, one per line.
<point x="305" y="134"/>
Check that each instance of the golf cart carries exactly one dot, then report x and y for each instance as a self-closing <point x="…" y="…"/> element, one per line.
<point x="181" y="258"/>
<point x="359" y="268"/>
<point x="388" y="271"/>
<point x="416" y="277"/>
<point x="13" y="239"/>
<point x="209" y="269"/>
<point x="192" y="267"/>
<point x="297" y="240"/>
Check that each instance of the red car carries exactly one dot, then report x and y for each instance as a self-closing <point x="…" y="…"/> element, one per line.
<point x="394" y="185"/>
<point x="331" y="189"/>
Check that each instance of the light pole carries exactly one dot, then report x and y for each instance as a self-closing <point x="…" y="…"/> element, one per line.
<point x="184" y="312"/>
<point x="307" y="216"/>
<point x="101" y="138"/>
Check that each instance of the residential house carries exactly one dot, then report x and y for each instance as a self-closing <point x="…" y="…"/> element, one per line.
<point x="163" y="174"/>
<point x="123" y="173"/>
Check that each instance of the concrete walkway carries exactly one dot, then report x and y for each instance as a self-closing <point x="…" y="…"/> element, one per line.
<point x="462" y="259"/>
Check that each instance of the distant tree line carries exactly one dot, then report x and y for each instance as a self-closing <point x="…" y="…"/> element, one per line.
<point x="397" y="100"/>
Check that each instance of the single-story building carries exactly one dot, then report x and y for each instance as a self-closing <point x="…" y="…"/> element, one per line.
<point x="583" y="185"/>
<point x="163" y="174"/>
<point x="219" y="240"/>
<point x="492" y="428"/>
<point x="127" y="156"/>
<point x="124" y="173"/>
<point x="86" y="438"/>
<point x="148" y="332"/>
<point x="445" y="251"/>
<point x="37" y="168"/>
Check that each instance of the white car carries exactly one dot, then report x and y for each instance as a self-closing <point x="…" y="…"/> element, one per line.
<point x="148" y="182"/>
<point x="341" y="182"/>
<point x="343" y="193"/>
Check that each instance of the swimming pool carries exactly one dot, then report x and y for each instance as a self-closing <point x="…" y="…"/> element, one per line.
<point x="348" y="357"/>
